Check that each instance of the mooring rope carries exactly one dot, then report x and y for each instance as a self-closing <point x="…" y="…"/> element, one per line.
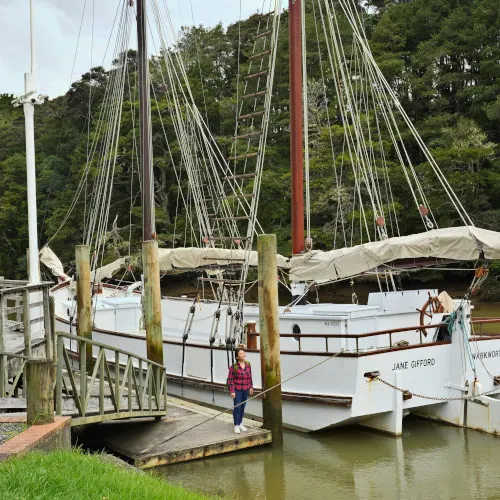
<point x="256" y="396"/>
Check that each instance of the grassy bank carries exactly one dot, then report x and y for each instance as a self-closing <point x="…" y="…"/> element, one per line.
<point x="75" y="475"/>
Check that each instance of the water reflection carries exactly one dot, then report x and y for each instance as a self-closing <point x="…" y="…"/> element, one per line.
<point x="430" y="461"/>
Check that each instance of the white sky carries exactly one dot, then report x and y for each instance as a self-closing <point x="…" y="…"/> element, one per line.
<point x="57" y="24"/>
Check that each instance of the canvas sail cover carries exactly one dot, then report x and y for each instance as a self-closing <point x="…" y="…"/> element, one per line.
<point x="51" y="260"/>
<point x="170" y="259"/>
<point x="108" y="270"/>
<point x="454" y="243"/>
<point x="192" y="258"/>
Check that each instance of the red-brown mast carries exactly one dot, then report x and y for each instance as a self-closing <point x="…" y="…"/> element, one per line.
<point x="296" y="125"/>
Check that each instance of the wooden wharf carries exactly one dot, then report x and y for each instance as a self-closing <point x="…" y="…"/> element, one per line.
<point x="99" y="384"/>
<point x="148" y="444"/>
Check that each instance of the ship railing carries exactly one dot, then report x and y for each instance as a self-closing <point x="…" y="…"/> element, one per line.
<point x="354" y="342"/>
<point x="484" y="327"/>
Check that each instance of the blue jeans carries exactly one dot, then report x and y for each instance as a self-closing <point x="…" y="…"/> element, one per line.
<point x="238" y="412"/>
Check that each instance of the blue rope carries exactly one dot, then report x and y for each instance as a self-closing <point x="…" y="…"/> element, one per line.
<point x="450" y="322"/>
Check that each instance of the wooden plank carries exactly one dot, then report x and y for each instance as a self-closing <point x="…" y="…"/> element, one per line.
<point x="171" y="440"/>
<point x="16" y="379"/>
<point x="251" y="115"/>
<point x="263" y="34"/>
<point x="107" y="417"/>
<point x="239" y="157"/>
<point x="260" y="54"/>
<point x="27" y="323"/>
<point x="256" y="75"/>
<point x="12" y="404"/>
<point x="242" y="442"/>
<point x="247" y="136"/>
<point x="238" y="217"/>
<point x="239" y="176"/>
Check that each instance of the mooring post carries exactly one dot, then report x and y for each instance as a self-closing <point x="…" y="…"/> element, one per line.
<point x="40" y="391"/>
<point x="270" y="336"/>
<point x="152" y="301"/>
<point x="84" y="299"/>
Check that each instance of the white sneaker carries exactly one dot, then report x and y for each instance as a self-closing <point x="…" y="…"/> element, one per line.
<point x="243" y="428"/>
<point x="237" y="429"/>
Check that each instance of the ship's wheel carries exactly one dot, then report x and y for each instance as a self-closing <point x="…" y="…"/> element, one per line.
<point x="431" y="306"/>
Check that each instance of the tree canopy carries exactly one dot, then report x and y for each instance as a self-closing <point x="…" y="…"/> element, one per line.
<point x="441" y="57"/>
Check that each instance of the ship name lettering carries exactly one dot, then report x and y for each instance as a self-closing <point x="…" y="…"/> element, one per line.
<point x="416" y="363"/>
<point x="486" y="354"/>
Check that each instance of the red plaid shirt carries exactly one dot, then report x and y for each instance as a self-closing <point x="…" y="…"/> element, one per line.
<point x="242" y="379"/>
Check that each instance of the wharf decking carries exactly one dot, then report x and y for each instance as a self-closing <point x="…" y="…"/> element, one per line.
<point x="150" y="443"/>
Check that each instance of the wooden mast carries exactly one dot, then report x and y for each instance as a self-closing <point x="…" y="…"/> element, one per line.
<point x="152" y="291"/>
<point x="296" y="125"/>
<point x="144" y="125"/>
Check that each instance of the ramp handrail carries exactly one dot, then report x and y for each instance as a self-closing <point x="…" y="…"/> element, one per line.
<point x="17" y="372"/>
<point x="135" y="386"/>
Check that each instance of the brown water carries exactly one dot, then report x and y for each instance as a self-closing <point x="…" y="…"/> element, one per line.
<point x="430" y="461"/>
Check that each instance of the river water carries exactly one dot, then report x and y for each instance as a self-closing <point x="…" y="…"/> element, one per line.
<point x="430" y="461"/>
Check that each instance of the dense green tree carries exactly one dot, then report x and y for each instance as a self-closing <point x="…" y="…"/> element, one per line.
<point x="441" y="57"/>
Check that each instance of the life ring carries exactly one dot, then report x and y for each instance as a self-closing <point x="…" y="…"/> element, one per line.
<point x="431" y="306"/>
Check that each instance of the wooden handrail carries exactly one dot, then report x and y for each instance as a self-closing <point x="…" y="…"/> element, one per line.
<point x="358" y="335"/>
<point x="134" y="390"/>
<point x="30" y="288"/>
<point x="485" y="321"/>
<point x="108" y="347"/>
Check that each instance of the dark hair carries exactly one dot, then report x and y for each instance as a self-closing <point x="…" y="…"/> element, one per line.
<point x="237" y="351"/>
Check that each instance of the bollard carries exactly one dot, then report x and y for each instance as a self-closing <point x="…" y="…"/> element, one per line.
<point x="39" y="391"/>
<point x="270" y="336"/>
<point x="84" y="301"/>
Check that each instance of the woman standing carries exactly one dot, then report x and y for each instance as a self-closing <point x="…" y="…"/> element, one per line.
<point x="240" y="385"/>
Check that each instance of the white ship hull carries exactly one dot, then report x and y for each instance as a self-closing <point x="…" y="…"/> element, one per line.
<point x="337" y="392"/>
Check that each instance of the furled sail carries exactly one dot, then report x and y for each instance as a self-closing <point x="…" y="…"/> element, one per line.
<point x="453" y="243"/>
<point x="192" y="258"/>
<point x="51" y="260"/>
<point x="170" y="259"/>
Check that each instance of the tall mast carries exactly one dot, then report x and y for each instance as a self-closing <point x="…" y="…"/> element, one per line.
<point x="151" y="303"/>
<point x="148" y="222"/>
<point x="29" y="100"/>
<point x="296" y="125"/>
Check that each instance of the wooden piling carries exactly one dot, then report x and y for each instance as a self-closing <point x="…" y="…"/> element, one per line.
<point x="152" y="301"/>
<point x="40" y="391"/>
<point x="269" y="335"/>
<point x="83" y="298"/>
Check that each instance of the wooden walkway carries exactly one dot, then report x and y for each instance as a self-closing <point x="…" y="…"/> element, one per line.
<point x="168" y="441"/>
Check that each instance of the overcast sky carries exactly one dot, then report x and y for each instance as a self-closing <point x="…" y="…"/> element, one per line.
<point x="57" y="24"/>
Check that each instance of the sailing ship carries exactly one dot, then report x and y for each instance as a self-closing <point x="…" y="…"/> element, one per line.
<point x="421" y="343"/>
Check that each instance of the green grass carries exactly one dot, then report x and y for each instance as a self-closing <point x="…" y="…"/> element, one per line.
<point x="74" y="475"/>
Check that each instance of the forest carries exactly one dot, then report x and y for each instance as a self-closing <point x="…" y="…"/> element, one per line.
<point x="441" y="57"/>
